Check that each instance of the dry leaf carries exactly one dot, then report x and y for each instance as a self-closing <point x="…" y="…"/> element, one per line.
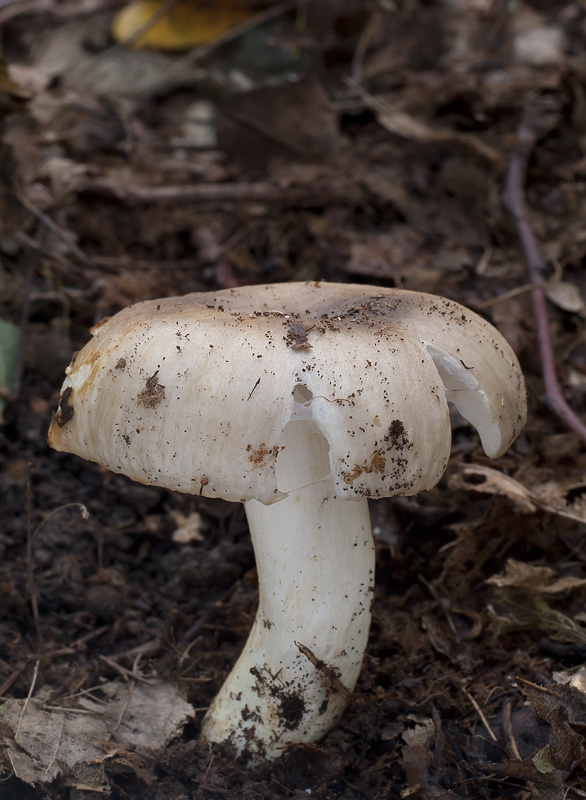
<point x="292" y="118"/>
<point x="182" y="25"/>
<point x="532" y="613"/>
<point x="541" y="784"/>
<point x="566" y="296"/>
<point x="402" y="124"/>
<point x="564" y="708"/>
<point x="541" y="580"/>
<point x="522" y="590"/>
<point x="575" y="678"/>
<point x="188" y="527"/>
<point x="547" y="497"/>
<point x="421" y="734"/>
<point x="74" y="742"/>
<point x="495" y="482"/>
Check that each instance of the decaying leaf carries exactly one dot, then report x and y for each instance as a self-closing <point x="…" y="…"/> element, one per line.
<point x="566" y="296"/>
<point x="576" y="678"/>
<point x="541" y="785"/>
<point x="183" y="24"/>
<point x="491" y="481"/>
<point x="46" y="741"/>
<point x="545" y="498"/>
<point x="416" y="752"/>
<point x="540" y="580"/>
<point x="188" y="527"/>
<point x="295" y="118"/>
<point x="403" y="124"/>
<point x="564" y="708"/>
<point x="521" y="602"/>
<point x="532" y="613"/>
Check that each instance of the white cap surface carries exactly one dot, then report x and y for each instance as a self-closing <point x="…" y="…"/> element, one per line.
<point x="193" y="393"/>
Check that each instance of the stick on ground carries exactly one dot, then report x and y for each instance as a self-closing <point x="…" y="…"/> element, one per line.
<point x="514" y="200"/>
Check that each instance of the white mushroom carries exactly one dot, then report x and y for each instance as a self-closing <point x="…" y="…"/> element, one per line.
<point x="302" y="400"/>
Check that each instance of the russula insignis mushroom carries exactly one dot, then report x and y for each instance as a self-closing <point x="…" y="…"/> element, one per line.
<point x="302" y="400"/>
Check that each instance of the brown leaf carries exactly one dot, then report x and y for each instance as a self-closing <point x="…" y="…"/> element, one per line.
<point x="51" y="741"/>
<point x="545" y="498"/>
<point x="543" y="786"/>
<point x="399" y="122"/>
<point x="289" y="119"/>
<point x="541" y="580"/>
<point x="564" y="708"/>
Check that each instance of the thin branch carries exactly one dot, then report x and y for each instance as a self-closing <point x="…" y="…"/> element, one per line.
<point x="126" y="673"/>
<point x="126" y="704"/>
<point x="222" y="193"/>
<point x="480" y="713"/>
<point x="14" y="392"/>
<point x="53" y="227"/>
<point x="30" y="539"/>
<point x="30" y="575"/>
<point x="28" y="697"/>
<point x="85" y="514"/>
<point x="514" y="200"/>
<point x="508" y="730"/>
<point x="372" y="27"/>
<point x="56" y="750"/>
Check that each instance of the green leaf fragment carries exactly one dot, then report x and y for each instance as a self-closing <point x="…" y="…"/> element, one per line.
<point x="9" y="346"/>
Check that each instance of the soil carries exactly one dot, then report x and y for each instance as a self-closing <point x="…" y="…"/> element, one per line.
<point x="336" y="141"/>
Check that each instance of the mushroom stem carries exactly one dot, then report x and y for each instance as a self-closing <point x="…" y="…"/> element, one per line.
<point x="315" y="561"/>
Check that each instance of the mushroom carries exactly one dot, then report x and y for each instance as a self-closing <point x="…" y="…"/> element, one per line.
<point x="301" y="400"/>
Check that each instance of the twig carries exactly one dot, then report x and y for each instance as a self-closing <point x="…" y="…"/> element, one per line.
<point x="480" y="713"/>
<point x="58" y="745"/>
<point x="30" y="575"/>
<point x="436" y="596"/>
<point x="282" y="785"/>
<point x="440" y="739"/>
<point x="14" y="392"/>
<point x="373" y="25"/>
<point x="330" y="679"/>
<point x="508" y="730"/>
<point x="501" y="298"/>
<point x="85" y="514"/>
<point x="206" y="618"/>
<point x="67" y="710"/>
<point x="10" y="680"/>
<point x="126" y="673"/>
<point x="53" y="227"/>
<point x="28" y="697"/>
<point x="260" y="192"/>
<point x="514" y="201"/>
<point x="126" y="704"/>
<point x="30" y="538"/>
<point x="205" y="775"/>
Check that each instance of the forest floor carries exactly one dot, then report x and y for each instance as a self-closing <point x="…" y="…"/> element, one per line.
<point x="338" y="141"/>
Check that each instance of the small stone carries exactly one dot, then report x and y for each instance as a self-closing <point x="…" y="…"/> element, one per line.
<point x="541" y="46"/>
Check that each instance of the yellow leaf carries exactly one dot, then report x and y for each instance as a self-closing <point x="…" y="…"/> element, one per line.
<point x="182" y="25"/>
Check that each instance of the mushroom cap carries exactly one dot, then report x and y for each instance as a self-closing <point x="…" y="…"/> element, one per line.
<point x="193" y="393"/>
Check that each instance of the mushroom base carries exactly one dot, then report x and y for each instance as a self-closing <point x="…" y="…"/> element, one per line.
<point x="315" y="561"/>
